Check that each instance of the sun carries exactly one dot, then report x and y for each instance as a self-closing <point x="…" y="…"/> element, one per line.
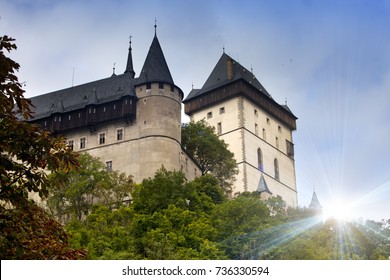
<point x="339" y="210"/>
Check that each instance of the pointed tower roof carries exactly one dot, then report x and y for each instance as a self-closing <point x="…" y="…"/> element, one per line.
<point x="315" y="203"/>
<point x="155" y="68"/>
<point x="263" y="187"/>
<point x="129" y="65"/>
<point x="227" y="70"/>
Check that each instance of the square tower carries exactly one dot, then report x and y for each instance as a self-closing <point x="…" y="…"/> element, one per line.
<point x="257" y="129"/>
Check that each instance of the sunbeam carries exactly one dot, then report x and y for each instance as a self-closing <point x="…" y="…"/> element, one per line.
<point x="257" y="244"/>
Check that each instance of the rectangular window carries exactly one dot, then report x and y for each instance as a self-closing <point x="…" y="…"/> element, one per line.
<point x="219" y="128"/>
<point x="102" y="138"/>
<point x="71" y="144"/>
<point x="290" y="149"/>
<point x="161" y="85"/>
<point x="109" y="165"/>
<point x="82" y="143"/>
<point x="119" y="134"/>
<point x="222" y="110"/>
<point x="209" y="115"/>
<point x="255" y="112"/>
<point x="148" y="85"/>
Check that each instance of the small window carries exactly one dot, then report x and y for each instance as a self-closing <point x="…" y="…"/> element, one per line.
<point x="104" y="109"/>
<point x="102" y="138"/>
<point x="82" y="143"/>
<point x="277" y="142"/>
<point x="268" y="121"/>
<point x="71" y="144"/>
<point x="219" y="128"/>
<point x="256" y="129"/>
<point x="109" y="165"/>
<point x="209" y="115"/>
<point x="264" y="135"/>
<point x="276" y="167"/>
<point x="279" y="128"/>
<point x="259" y="159"/>
<point x="255" y="112"/>
<point x="222" y="110"/>
<point x="148" y="85"/>
<point x="161" y="85"/>
<point x="114" y="106"/>
<point x="119" y="134"/>
<point x="172" y="88"/>
<point x="69" y="117"/>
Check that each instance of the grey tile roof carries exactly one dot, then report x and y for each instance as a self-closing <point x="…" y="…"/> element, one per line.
<point x="78" y="97"/>
<point x="155" y="68"/>
<point x="219" y="77"/>
<point x="315" y="203"/>
<point x="262" y="186"/>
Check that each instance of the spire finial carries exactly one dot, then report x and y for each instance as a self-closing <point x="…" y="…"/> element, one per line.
<point x="155" y="26"/>
<point x="285" y="102"/>
<point x="223" y="48"/>
<point x="113" y="69"/>
<point x="130" y="41"/>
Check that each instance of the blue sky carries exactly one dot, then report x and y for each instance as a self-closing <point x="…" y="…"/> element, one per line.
<point x="330" y="59"/>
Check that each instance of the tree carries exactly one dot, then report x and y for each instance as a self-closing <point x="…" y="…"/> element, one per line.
<point x="27" y="232"/>
<point x="210" y="152"/>
<point x="74" y="192"/>
<point x="26" y="151"/>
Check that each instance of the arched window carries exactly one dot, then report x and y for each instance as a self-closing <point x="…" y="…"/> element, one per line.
<point x="276" y="167"/>
<point x="259" y="159"/>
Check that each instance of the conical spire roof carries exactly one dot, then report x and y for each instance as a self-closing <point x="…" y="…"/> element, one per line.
<point x="262" y="186"/>
<point x="155" y="68"/>
<point x="315" y="203"/>
<point x="129" y="65"/>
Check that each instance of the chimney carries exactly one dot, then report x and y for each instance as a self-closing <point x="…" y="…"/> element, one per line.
<point x="229" y="66"/>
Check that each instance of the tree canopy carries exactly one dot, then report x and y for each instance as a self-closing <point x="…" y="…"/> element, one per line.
<point x="26" y="151"/>
<point x="210" y="152"/>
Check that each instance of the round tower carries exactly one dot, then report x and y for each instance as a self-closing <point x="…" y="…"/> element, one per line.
<point x="158" y="114"/>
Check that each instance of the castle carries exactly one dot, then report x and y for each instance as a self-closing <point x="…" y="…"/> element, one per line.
<point x="133" y="124"/>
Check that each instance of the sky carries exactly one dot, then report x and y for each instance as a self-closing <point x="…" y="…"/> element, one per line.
<point x="329" y="59"/>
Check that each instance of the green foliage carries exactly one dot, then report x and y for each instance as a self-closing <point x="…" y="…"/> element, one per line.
<point x="334" y="240"/>
<point x="73" y="193"/>
<point x="26" y="231"/>
<point x="25" y="149"/>
<point x="171" y="218"/>
<point x="210" y="152"/>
